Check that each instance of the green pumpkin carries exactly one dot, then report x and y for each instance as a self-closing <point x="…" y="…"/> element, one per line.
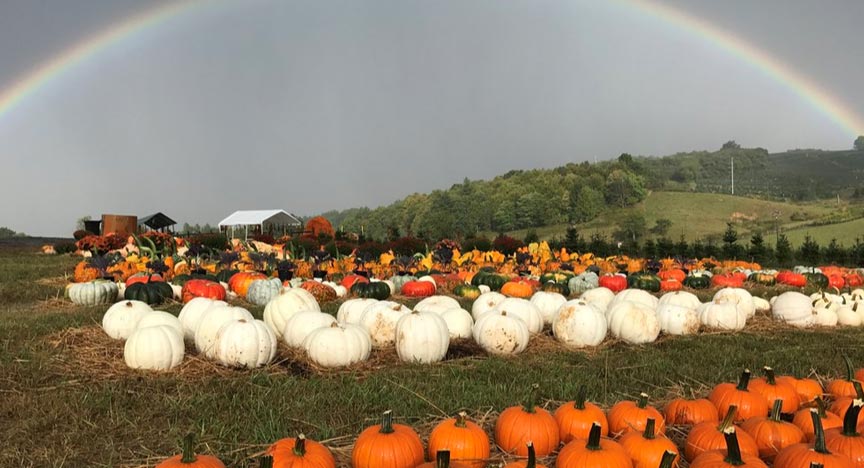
<point x="399" y="280"/>
<point x="644" y="281"/>
<point x="493" y="280"/>
<point x="561" y="277"/>
<point x="816" y="280"/>
<point x="698" y="281"/>
<point x="263" y="291"/>
<point x="583" y="282"/>
<point x="762" y="278"/>
<point x="92" y="293"/>
<point x="559" y="288"/>
<point x="225" y="275"/>
<point x="150" y="293"/>
<point x="467" y="291"/>
<point x="372" y="290"/>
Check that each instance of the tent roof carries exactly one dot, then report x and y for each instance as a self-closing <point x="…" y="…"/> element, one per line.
<point x="156" y="221"/>
<point x="252" y="217"/>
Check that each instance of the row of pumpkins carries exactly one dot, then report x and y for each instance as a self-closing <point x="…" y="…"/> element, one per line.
<point x="793" y="431"/>
<point x="498" y="324"/>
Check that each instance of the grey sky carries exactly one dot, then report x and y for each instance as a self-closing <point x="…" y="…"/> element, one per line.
<point x="317" y="105"/>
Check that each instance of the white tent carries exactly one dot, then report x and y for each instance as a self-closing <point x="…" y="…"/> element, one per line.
<point x="274" y="222"/>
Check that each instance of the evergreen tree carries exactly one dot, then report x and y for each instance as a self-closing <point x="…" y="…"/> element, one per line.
<point x="835" y="253"/>
<point x="598" y="245"/>
<point x="758" y="251"/>
<point x="649" y="249"/>
<point x="809" y="251"/>
<point x="856" y="253"/>
<point x="783" y="250"/>
<point x="531" y="236"/>
<point x="665" y="247"/>
<point x="731" y="249"/>
<point x="682" y="249"/>
<point x="573" y="241"/>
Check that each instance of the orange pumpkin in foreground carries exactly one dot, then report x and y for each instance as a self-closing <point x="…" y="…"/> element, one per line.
<point x="847" y="440"/>
<point x="771" y="434"/>
<point x="626" y="416"/>
<point x="188" y="459"/>
<point x="300" y="453"/>
<point x="531" y="462"/>
<point x="464" y="441"/>
<point x="748" y="404"/>
<point x="575" y="418"/>
<point x="707" y="436"/>
<point x="518" y="425"/>
<point x="804" y="421"/>
<point x="647" y="448"/>
<point x="387" y="445"/>
<point x="593" y="453"/>
<point x="681" y="412"/>
<point x="802" y="455"/>
<point x="731" y="457"/>
<point x="442" y="460"/>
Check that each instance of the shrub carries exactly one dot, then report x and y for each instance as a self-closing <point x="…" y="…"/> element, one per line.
<point x="265" y="238"/>
<point x="482" y="244"/>
<point x="370" y="250"/>
<point x="81" y="233"/>
<point x="211" y="241"/>
<point x="65" y="247"/>
<point x="407" y="246"/>
<point x="506" y="244"/>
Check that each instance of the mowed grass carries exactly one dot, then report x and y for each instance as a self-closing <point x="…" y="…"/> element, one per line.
<point x="845" y="233"/>
<point x="698" y="215"/>
<point x="58" y="412"/>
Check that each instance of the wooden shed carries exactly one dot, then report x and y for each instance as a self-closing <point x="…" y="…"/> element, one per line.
<point x="156" y="222"/>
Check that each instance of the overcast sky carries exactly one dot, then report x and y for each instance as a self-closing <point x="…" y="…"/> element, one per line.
<point x="317" y="105"/>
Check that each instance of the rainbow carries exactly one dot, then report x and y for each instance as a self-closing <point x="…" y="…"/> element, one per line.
<point x="819" y="98"/>
<point x="54" y="68"/>
<point x="810" y="92"/>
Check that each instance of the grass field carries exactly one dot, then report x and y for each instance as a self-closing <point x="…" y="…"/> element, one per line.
<point x="698" y="215"/>
<point x="68" y="400"/>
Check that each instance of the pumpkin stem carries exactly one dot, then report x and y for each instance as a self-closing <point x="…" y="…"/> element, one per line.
<point x="744" y="380"/>
<point x="820" y="407"/>
<point x="642" y="402"/>
<point x="859" y="392"/>
<point x="730" y="417"/>
<point x="460" y="419"/>
<point x="531" y="402"/>
<point x="300" y="445"/>
<point x="850" y="369"/>
<point x="189" y="449"/>
<point x="769" y="375"/>
<point x="850" y="419"/>
<point x="775" y="410"/>
<point x="733" y="450"/>
<point x="649" y="429"/>
<point x="668" y="458"/>
<point x="532" y="456"/>
<point x="819" y="441"/>
<point x="387" y="423"/>
<point x="816" y="465"/>
<point x="265" y="461"/>
<point x="442" y="459"/>
<point x="579" y="403"/>
<point x="594" y="438"/>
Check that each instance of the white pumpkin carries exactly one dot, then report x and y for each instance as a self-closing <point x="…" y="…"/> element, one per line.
<point x="633" y="322"/>
<point x="341" y="291"/>
<point x="192" y="313"/>
<point x="793" y="308"/>
<point x="677" y="319"/>
<point x="826" y="301"/>
<point x="428" y="279"/>
<point x="524" y="310"/>
<point x="684" y="299"/>
<point x="579" y="324"/>
<point x="338" y="345"/>
<point x="459" y="322"/>
<point x="301" y="324"/>
<point x="121" y="318"/>
<point x="742" y="299"/>
<point x="177" y="291"/>
<point x="484" y="289"/>
<point x="761" y="305"/>
<point x="121" y="289"/>
<point x="634" y="295"/>
<point x="485" y="302"/>
<point x="848" y="315"/>
<point x="599" y="297"/>
<point x="498" y="333"/>
<point x="422" y="337"/>
<point x="93" y="293"/>
<point x="154" y="348"/>
<point x="245" y="343"/>
<point x="287" y="303"/>
<point x="722" y="313"/>
<point x="379" y="320"/>
<point x="437" y="304"/>
<point x="158" y="317"/>
<point x="208" y="329"/>
<point x="351" y="310"/>
<point x="547" y="304"/>
<point x="826" y="314"/>
<point x="262" y="291"/>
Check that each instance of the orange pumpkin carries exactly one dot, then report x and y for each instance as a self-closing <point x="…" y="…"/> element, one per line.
<point x="669" y="285"/>
<point x="593" y="453"/>
<point x="748" y="403"/>
<point x="689" y="412"/>
<point x="676" y="274"/>
<point x="705" y="437"/>
<point x="647" y="448"/>
<point x="802" y="455"/>
<point x="84" y="272"/>
<point x="202" y="288"/>
<point x="519" y="289"/>
<point x="731" y="457"/>
<point x="442" y="460"/>
<point x="575" y="418"/>
<point x="804" y="421"/>
<point x="188" y="459"/>
<point x="808" y="389"/>
<point x="842" y="404"/>
<point x="464" y="441"/>
<point x="771" y="434"/>
<point x="240" y="282"/>
<point x="518" y="425"/>
<point x="387" y="445"/>
<point x="531" y="462"/>
<point x="772" y="390"/>
<point x="844" y="387"/>
<point x="846" y="440"/>
<point x="300" y="453"/>
<point x="626" y="416"/>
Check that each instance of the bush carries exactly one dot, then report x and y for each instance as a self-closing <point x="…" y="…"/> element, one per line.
<point x="81" y="233"/>
<point x="482" y="244"/>
<point x="265" y="238"/>
<point x="371" y="250"/>
<point x="211" y="241"/>
<point x="344" y="247"/>
<point x="65" y="247"/>
<point x="407" y="246"/>
<point x="506" y="244"/>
